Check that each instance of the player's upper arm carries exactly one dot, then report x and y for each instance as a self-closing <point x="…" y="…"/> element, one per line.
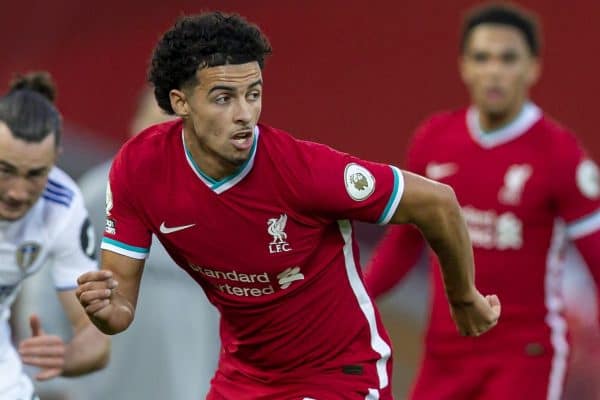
<point x="126" y="231"/>
<point x="73" y="246"/>
<point x="338" y="186"/>
<point x="422" y="199"/>
<point x="575" y="186"/>
<point x="422" y="196"/>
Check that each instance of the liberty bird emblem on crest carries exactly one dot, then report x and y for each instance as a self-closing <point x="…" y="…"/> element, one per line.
<point x="514" y="183"/>
<point x="359" y="181"/>
<point x="276" y="228"/>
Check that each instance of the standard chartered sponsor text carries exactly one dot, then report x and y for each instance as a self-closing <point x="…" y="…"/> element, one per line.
<point x="262" y="283"/>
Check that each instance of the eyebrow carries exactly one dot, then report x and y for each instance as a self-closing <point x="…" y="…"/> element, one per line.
<point x="231" y="88"/>
<point x="7" y="165"/>
<point x="503" y="51"/>
<point x="31" y="171"/>
<point x="37" y="170"/>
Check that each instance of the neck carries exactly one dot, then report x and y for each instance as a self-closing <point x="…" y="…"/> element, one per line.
<point x="490" y="121"/>
<point x="210" y="163"/>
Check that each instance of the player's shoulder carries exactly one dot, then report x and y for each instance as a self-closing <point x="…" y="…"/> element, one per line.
<point x="439" y="122"/>
<point x="288" y="156"/>
<point x="275" y="136"/>
<point x="284" y="144"/>
<point x="557" y="135"/>
<point x="551" y="126"/>
<point x="60" y="205"/>
<point x="61" y="192"/>
<point x="153" y="140"/>
<point x="447" y="116"/>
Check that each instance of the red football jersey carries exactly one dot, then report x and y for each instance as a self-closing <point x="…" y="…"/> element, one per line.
<point x="525" y="190"/>
<point x="273" y="248"/>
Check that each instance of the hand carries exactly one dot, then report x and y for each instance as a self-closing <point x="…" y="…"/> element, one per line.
<point x="95" y="292"/>
<point x="46" y="352"/>
<point x="476" y="314"/>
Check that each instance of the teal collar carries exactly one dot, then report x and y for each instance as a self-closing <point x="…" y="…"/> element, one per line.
<point x="219" y="186"/>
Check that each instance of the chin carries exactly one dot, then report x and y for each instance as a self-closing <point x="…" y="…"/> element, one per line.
<point x="7" y="215"/>
<point x="11" y="217"/>
<point x="238" y="161"/>
<point x="495" y="111"/>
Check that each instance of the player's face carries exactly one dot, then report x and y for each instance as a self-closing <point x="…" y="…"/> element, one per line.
<point x="222" y="110"/>
<point x="498" y="69"/>
<point x="24" y="169"/>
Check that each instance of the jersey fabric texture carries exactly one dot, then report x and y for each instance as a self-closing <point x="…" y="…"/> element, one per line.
<point x="273" y="248"/>
<point x="55" y="231"/>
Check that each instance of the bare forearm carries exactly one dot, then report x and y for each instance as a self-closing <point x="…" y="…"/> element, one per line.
<point x="116" y="317"/>
<point x="447" y="235"/>
<point x="439" y="218"/>
<point x="433" y="208"/>
<point x="88" y="351"/>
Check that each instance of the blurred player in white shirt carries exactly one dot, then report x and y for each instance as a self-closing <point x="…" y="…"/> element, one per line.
<point x="42" y="220"/>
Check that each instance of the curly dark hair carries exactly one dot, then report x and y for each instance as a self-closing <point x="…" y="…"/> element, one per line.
<point x="202" y="41"/>
<point x="28" y="108"/>
<point x="503" y="14"/>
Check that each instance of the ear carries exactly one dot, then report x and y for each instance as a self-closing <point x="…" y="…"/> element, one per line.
<point x="463" y="68"/>
<point x="179" y="103"/>
<point x="535" y="70"/>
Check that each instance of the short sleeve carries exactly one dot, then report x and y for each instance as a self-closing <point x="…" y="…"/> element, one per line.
<point x="577" y="188"/>
<point x="340" y="186"/>
<point x="74" y="247"/>
<point x="124" y="232"/>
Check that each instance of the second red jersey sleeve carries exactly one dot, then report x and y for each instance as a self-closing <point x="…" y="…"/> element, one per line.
<point x="576" y="187"/>
<point x="125" y="232"/>
<point x="339" y="186"/>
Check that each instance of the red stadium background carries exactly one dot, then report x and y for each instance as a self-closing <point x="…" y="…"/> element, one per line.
<point x="357" y="75"/>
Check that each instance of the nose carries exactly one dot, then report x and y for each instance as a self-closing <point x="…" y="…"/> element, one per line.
<point x="494" y="67"/>
<point x="19" y="190"/>
<point x="243" y="112"/>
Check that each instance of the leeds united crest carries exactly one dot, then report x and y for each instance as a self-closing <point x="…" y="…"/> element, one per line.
<point x="27" y="253"/>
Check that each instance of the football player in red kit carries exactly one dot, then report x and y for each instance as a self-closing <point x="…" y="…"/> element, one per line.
<point x="262" y="222"/>
<point x="525" y="186"/>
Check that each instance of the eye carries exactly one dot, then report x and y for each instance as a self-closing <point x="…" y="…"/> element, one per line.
<point x="37" y="175"/>
<point x="6" y="172"/>
<point x="223" y="99"/>
<point x="479" y="57"/>
<point x="255" y="95"/>
<point x="509" y="58"/>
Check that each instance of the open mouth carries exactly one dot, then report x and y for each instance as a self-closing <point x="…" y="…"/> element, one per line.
<point x="242" y="140"/>
<point x="494" y="94"/>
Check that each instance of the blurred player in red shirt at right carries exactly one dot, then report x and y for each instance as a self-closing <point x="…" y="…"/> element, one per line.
<point x="526" y="188"/>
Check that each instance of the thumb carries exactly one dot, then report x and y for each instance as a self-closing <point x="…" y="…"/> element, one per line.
<point x="36" y="325"/>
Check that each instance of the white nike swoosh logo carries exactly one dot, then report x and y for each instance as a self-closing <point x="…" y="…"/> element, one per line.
<point x="166" y="230"/>
<point x="437" y="171"/>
